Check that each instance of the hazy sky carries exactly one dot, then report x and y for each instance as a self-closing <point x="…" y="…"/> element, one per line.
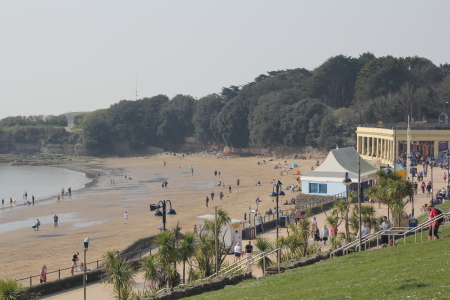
<point x="60" y="56"/>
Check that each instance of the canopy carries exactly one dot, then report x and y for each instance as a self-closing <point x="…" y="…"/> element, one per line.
<point x="294" y="165"/>
<point x="297" y="172"/>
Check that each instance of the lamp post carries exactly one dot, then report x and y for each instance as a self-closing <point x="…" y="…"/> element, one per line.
<point x="413" y="174"/>
<point x="162" y="204"/>
<point x="445" y="102"/>
<point x="347" y="181"/>
<point x="432" y="160"/>
<point x="277" y="192"/>
<point x="448" y="167"/>
<point x="84" y="273"/>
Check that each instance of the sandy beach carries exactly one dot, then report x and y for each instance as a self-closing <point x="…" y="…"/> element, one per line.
<point x="97" y="211"/>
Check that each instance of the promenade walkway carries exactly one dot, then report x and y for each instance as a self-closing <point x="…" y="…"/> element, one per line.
<point x="104" y="291"/>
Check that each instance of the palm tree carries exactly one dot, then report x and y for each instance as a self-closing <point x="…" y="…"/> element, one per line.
<point x="109" y="257"/>
<point x="121" y="277"/>
<point x="167" y="251"/>
<point x="11" y="289"/>
<point x="186" y="250"/>
<point x="150" y="266"/>
<point x="264" y="246"/>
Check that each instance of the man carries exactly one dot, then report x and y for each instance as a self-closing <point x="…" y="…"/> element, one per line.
<point x="257" y="202"/>
<point x="125" y="218"/>
<point x="32" y="199"/>
<point x="365" y="230"/>
<point x="55" y="221"/>
<point x="86" y="243"/>
<point x="434" y="225"/>
<point x="212" y="195"/>
<point x="37" y="224"/>
<point x="237" y="237"/>
<point x="298" y="215"/>
<point x="325" y="234"/>
<point x="249" y="250"/>
<point x="195" y="229"/>
<point x="260" y="222"/>
<point x="386" y="225"/>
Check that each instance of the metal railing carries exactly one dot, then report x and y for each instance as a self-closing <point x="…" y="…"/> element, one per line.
<point x="399" y="232"/>
<point x="56" y="275"/>
<point x="237" y="267"/>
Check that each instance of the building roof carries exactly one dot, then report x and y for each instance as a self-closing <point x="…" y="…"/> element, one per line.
<point x="211" y="219"/>
<point x="337" y="163"/>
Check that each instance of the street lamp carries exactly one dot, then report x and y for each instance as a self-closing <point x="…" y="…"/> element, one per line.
<point x="432" y="160"/>
<point x="277" y="192"/>
<point x="84" y="273"/>
<point x="448" y="167"/>
<point x="445" y="102"/>
<point x="162" y="204"/>
<point x="347" y="181"/>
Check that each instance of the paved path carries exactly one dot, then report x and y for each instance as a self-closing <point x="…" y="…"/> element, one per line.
<point x="104" y="291"/>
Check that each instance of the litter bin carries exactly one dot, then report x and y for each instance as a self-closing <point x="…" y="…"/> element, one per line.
<point x="412" y="222"/>
<point x="283" y="221"/>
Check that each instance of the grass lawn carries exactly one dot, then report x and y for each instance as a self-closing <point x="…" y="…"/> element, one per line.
<point x="412" y="271"/>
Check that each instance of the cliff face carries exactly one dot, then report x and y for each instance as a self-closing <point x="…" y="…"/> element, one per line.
<point x="66" y="149"/>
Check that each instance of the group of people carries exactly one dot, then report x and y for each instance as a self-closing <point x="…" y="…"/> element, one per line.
<point x="62" y="194"/>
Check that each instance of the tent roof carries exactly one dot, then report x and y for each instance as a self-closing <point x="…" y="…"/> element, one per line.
<point x="340" y="161"/>
<point x="211" y="219"/>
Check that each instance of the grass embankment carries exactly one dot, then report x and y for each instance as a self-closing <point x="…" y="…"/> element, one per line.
<point x="413" y="271"/>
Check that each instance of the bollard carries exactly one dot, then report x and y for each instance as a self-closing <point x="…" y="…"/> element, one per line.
<point x="97" y="263"/>
<point x="31" y="283"/>
<point x="59" y="273"/>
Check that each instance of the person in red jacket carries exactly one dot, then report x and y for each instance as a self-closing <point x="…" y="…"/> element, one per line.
<point x="434" y="225"/>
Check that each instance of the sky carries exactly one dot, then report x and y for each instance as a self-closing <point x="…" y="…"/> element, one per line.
<point x="60" y="56"/>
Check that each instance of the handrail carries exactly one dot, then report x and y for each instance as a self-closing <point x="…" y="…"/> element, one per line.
<point x="123" y="255"/>
<point x="393" y="231"/>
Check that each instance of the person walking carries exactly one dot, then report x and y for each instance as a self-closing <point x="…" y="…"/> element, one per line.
<point x="434" y="225"/>
<point x="125" y="218"/>
<point x="249" y="250"/>
<point x="195" y="229"/>
<point x="237" y="251"/>
<point x="325" y="234"/>
<point x="212" y="195"/>
<point x="207" y="201"/>
<point x="385" y="226"/>
<point x="55" y="221"/>
<point x="3" y="203"/>
<point x="238" y="181"/>
<point x="43" y="274"/>
<point x="221" y="195"/>
<point x="32" y="199"/>
<point x="260" y="222"/>
<point x="86" y="243"/>
<point x="37" y="224"/>
<point x="365" y="230"/>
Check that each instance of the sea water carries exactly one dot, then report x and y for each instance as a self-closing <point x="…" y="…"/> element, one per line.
<point x="40" y="181"/>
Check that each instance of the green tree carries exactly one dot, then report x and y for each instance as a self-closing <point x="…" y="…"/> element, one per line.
<point x="206" y="110"/>
<point x="150" y="266"/>
<point x="10" y="289"/>
<point x="96" y="133"/>
<point x="121" y="276"/>
<point x="187" y="250"/>
<point x="333" y="82"/>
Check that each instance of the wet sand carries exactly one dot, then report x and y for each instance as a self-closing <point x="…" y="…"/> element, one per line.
<point x="97" y="211"/>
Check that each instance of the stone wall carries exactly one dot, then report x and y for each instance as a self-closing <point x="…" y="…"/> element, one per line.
<point x="200" y="288"/>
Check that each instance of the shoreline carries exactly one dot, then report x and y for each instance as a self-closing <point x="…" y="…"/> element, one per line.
<point x="97" y="211"/>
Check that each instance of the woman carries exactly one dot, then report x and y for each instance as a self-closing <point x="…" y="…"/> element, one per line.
<point x="43" y="274"/>
<point x="237" y="251"/>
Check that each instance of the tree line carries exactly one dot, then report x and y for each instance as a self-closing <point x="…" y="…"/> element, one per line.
<point x="295" y="107"/>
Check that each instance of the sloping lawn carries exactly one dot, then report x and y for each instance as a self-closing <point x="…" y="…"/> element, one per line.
<point x="413" y="271"/>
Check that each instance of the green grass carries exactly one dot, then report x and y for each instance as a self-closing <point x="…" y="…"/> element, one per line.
<point x="413" y="271"/>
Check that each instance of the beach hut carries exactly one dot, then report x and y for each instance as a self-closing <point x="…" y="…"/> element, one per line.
<point x="227" y="230"/>
<point x="327" y="178"/>
<point x="297" y="172"/>
<point x="293" y="165"/>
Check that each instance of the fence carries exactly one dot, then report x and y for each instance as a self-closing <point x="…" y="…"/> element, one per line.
<point x="61" y="273"/>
